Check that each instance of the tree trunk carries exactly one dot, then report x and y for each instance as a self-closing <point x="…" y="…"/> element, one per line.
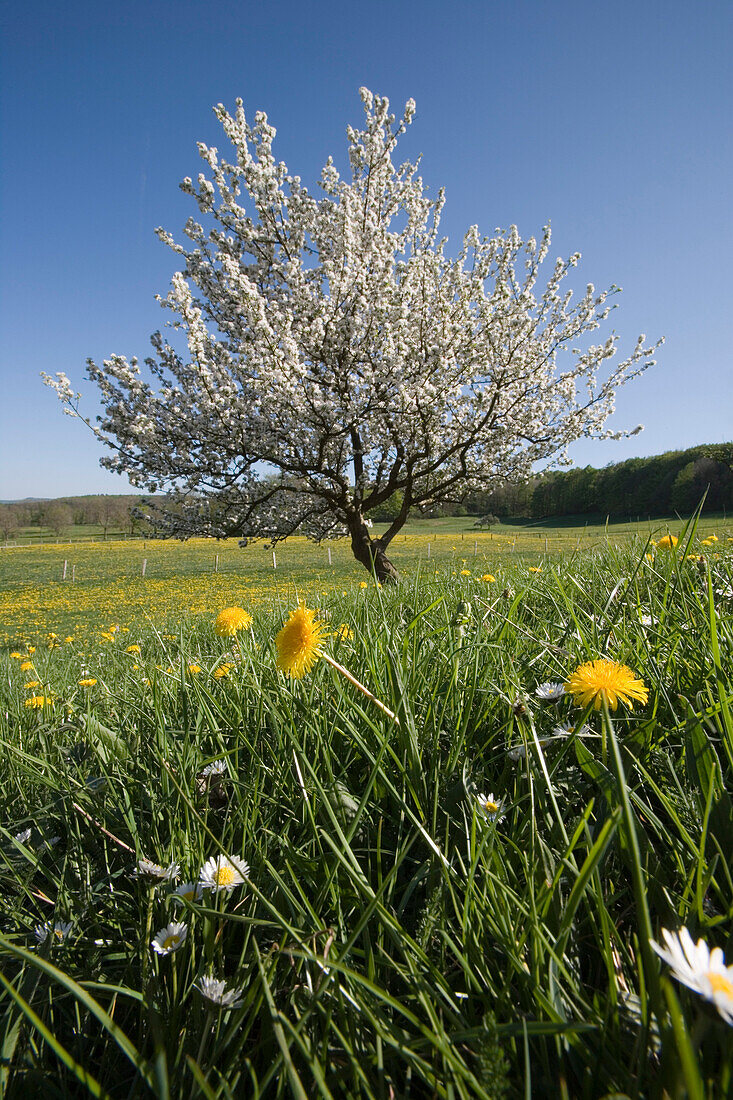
<point x="370" y="552"/>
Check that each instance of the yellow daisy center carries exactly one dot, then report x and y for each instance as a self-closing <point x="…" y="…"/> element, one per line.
<point x="491" y="807"/>
<point x="170" y="941"/>
<point x="720" y="983"/>
<point x="226" y="875"/>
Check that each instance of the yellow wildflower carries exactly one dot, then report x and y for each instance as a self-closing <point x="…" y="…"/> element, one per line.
<point x="90" y="682"/>
<point x="38" y="701"/>
<point x="230" y="620"/>
<point x="598" y="680"/>
<point x="222" y="671"/>
<point x="300" y="642"/>
<point x="489" y="578"/>
<point x="133" y="649"/>
<point x="668" y="542"/>
<point x="26" y="666"/>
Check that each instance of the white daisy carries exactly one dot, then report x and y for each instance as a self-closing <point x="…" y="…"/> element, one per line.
<point x="223" y="873"/>
<point x="489" y="808"/>
<point x="567" y="728"/>
<point x="189" y="891"/>
<point x="57" y="931"/>
<point x="549" y="692"/>
<point x="699" y="968"/>
<point x="24" y="836"/>
<point x="169" y="939"/>
<point x="155" y="873"/>
<point x="646" y="620"/>
<point x="216" y="993"/>
<point x="218" y="767"/>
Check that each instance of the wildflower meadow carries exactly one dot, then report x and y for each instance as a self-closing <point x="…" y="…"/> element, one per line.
<point x="273" y="833"/>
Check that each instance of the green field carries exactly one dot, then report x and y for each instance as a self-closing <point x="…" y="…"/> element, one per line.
<point x="72" y="589"/>
<point x="454" y="898"/>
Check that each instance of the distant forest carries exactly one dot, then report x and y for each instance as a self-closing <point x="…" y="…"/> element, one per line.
<point x="673" y="482"/>
<point x="662" y="485"/>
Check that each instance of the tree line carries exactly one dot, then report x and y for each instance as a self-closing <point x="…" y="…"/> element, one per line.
<point x="673" y="482"/>
<point x="109" y="513"/>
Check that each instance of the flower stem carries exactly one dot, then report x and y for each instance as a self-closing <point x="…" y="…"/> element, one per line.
<point x="365" y="691"/>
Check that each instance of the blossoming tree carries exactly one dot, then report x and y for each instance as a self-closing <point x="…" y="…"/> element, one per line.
<point x="333" y="340"/>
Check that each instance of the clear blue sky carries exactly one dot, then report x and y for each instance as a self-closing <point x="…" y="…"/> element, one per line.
<point x="611" y="120"/>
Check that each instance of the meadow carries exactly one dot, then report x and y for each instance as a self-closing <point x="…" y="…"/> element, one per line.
<point x="221" y="880"/>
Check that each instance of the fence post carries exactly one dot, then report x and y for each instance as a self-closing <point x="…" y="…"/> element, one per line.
<point x="274" y="560"/>
<point x="63" y="575"/>
<point x="329" y="556"/>
<point x="145" y="565"/>
<point x="73" y="573"/>
<point x="216" y="564"/>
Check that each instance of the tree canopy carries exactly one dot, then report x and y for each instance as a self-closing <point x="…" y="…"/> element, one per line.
<point x="333" y="340"/>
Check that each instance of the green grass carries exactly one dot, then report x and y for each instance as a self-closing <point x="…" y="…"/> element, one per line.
<point x="390" y="941"/>
<point x="104" y="582"/>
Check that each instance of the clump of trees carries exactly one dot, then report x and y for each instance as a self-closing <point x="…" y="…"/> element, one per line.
<point x="334" y="340"/>
<point x="673" y="482"/>
<point x="111" y="514"/>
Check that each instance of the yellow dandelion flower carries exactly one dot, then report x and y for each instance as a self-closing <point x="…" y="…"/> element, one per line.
<point x="344" y="632"/>
<point x="489" y="578"/>
<point x="230" y="620"/>
<point x="133" y="649"/>
<point x="194" y="669"/>
<point x="69" y="638"/>
<point x="300" y="642"/>
<point x="31" y="649"/>
<point x="38" y="701"/>
<point x="26" y="666"/>
<point x="465" y="572"/>
<point x="535" y="568"/>
<point x="598" y="680"/>
<point x="88" y="683"/>
<point x="363" y="584"/>
<point x="32" y="684"/>
<point x="668" y="542"/>
<point x="17" y="656"/>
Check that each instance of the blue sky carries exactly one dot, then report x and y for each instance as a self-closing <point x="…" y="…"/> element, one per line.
<point x="612" y="121"/>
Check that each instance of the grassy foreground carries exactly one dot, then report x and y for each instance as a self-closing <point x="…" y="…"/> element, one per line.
<point x="392" y="938"/>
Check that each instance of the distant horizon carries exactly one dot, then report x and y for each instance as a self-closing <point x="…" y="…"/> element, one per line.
<point x="575" y="465"/>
